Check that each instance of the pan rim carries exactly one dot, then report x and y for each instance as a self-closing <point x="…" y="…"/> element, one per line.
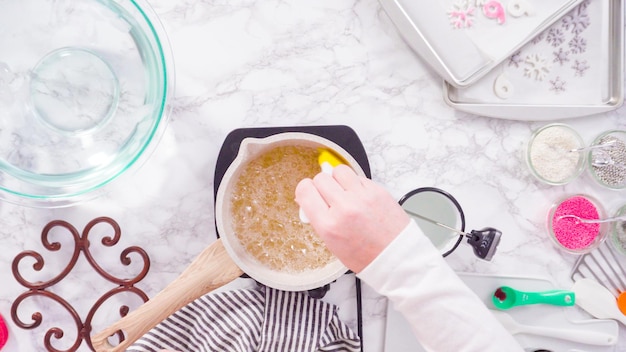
<point x="282" y="280"/>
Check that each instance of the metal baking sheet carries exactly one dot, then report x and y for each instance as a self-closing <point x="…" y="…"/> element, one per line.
<point x="464" y="39"/>
<point x="574" y="68"/>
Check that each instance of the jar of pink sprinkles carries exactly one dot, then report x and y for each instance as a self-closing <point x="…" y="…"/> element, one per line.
<point x="568" y="228"/>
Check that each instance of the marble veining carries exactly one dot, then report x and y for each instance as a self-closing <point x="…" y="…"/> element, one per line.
<point x="278" y="63"/>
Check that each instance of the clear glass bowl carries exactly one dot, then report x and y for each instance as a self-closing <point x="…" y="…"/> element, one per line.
<point x="549" y="156"/>
<point x="571" y="235"/>
<point x="440" y="206"/>
<point x="618" y="232"/>
<point x="84" y="88"/>
<point x="607" y="164"/>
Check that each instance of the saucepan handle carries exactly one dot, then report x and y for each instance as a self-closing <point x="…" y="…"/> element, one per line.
<point x="212" y="269"/>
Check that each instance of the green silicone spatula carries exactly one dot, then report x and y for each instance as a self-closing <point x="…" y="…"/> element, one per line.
<point x="506" y="297"/>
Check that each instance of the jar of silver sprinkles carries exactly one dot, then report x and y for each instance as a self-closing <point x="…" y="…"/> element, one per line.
<point x="607" y="161"/>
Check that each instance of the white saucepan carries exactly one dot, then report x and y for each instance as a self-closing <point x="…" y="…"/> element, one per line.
<point x="226" y="259"/>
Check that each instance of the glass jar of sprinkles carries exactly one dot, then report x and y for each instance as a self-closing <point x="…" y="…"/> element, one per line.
<point x="607" y="162"/>
<point x="568" y="232"/>
<point x="550" y="156"/>
<point x="618" y="232"/>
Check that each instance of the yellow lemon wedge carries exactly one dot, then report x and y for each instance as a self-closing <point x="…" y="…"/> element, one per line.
<point x="328" y="159"/>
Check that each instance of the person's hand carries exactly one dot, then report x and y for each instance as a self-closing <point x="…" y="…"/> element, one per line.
<point x="354" y="216"/>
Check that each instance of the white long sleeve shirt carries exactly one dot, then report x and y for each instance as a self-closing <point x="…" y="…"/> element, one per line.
<point x="444" y="313"/>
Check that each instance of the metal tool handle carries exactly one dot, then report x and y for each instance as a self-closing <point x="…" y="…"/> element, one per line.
<point x="484" y="242"/>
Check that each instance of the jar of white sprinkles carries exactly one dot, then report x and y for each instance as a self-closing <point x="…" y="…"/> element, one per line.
<point x="555" y="154"/>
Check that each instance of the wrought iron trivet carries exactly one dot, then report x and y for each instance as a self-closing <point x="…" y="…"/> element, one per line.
<point x="81" y="244"/>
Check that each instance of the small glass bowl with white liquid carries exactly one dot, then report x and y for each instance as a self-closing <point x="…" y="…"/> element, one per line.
<point x="438" y="206"/>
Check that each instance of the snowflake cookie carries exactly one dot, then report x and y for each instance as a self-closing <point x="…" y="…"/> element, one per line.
<point x="580" y="67"/>
<point x="462" y="14"/>
<point x="561" y="56"/>
<point x="555" y="37"/>
<point x="557" y="85"/>
<point x="538" y="38"/>
<point x="536" y="67"/>
<point x="516" y="59"/>
<point x="577" y="45"/>
<point x="578" y="20"/>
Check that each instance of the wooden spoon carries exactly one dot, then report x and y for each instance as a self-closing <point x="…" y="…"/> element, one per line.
<point x="212" y="269"/>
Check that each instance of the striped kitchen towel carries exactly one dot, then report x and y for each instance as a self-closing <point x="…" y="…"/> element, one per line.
<point x="261" y="319"/>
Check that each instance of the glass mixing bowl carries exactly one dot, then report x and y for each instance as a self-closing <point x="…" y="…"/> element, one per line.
<point x="84" y="87"/>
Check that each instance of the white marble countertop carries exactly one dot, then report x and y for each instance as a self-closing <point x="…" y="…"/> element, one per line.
<point x="282" y="63"/>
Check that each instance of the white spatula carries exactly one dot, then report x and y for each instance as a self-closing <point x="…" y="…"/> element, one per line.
<point x="574" y="335"/>
<point x="597" y="300"/>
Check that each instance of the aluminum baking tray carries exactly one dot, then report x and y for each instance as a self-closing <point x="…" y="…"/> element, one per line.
<point x="464" y="39"/>
<point x="574" y="68"/>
